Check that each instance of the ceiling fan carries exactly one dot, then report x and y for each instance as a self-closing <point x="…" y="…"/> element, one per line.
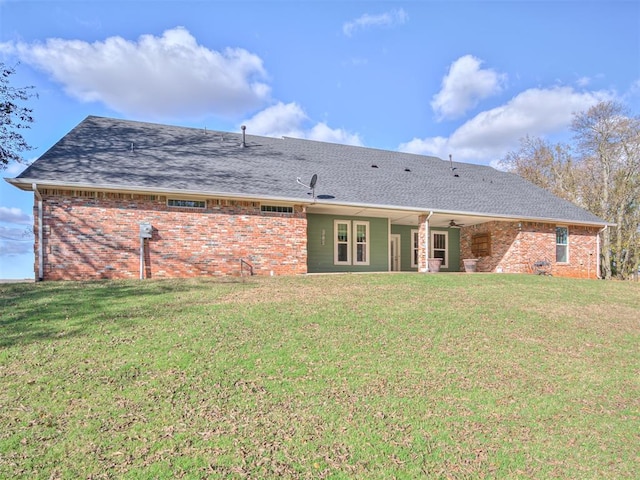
<point x="453" y="224"/>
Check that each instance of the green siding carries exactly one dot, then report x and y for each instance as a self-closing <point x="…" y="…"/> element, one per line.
<point x="454" y="249"/>
<point x="405" y="246"/>
<point x="320" y="257"/>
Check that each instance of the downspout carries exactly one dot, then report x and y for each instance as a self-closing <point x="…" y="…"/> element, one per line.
<point x="40" y="234"/>
<point x="141" y="258"/>
<point x="598" y="252"/>
<point x="426" y="241"/>
<point x="389" y="249"/>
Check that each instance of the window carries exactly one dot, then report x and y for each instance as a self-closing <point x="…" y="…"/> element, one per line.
<point x="351" y="244"/>
<point x="276" y="209"/>
<point x="415" y="248"/>
<point x="439" y="246"/>
<point x="361" y="246"/>
<point x="342" y="254"/>
<point x="174" y="202"/>
<point x="562" y="244"/>
<point x="481" y="245"/>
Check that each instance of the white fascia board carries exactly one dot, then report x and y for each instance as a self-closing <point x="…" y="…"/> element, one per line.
<point x="23" y="183"/>
<point x="27" y="183"/>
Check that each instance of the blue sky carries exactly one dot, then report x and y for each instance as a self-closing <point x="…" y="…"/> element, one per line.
<point x="467" y="78"/>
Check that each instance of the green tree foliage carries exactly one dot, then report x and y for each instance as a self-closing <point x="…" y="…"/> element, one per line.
<point x="600" y="172"/>
<point x="14" y="117"/>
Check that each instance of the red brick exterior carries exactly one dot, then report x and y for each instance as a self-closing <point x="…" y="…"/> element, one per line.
<point x="93" y="235"/>
<point x="516" y="246"/>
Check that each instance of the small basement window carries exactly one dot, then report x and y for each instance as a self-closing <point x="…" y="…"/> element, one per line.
<point x="481" y="245"/>
<point x="176" y="202"/>
<point x="276" y="208"/>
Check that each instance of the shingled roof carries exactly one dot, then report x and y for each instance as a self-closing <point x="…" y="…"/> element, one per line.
<point x="126" y="155"/>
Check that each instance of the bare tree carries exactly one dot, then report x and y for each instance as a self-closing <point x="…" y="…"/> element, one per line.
<point x="547" y="165"/>
<point x="601" y="174"/>
<point x="609" y="141"/>
<point x="13" y="118"/>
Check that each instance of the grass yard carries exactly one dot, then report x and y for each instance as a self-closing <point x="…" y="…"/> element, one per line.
<point x="341" y="376"/>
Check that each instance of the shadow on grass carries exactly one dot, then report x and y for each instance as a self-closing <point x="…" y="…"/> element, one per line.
<point x="54" y="310"/>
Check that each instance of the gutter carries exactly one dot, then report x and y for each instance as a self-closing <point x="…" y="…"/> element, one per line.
<point x="25" y="183"/>
<point x="40" y="234"/>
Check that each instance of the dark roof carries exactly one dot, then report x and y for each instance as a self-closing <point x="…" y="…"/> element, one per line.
<point x="106" y="152"/>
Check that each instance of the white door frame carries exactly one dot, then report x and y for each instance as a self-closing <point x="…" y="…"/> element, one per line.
<point x="395" y="261"/>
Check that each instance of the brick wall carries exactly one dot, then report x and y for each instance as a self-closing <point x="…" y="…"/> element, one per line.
<point x="92" y="235"/>
<point x="515" y="246"/>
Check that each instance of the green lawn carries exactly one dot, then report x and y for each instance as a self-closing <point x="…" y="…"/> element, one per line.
<point x="339" y="376"/>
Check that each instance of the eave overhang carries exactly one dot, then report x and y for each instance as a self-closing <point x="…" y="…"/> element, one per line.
<point x="316" y="205"/>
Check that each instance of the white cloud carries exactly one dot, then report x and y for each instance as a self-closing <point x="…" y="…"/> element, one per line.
<point x="289" y="120"/>
<point x="15" y="168"/>
<point x="15" y="216"/>
<point x="464" y="86"/>
<point x="387" y="19"/>
<point x="634" y="90"/>
<point x="323" y="133"/>
<point x="153" y="77"/>
<point x="280" y="120"/>
<point x="15" y="240"/>
<point x="583" y="81"/>
<point x="13" y="248"/>
<point x="436" y="146"/>
<point x="15" y="234"/>
<point x="492" y="133"/>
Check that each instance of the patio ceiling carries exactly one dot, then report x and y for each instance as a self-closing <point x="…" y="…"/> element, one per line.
<point x="401" y="217"/>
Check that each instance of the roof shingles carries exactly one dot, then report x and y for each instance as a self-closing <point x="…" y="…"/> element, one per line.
<point x="125" y="154"/>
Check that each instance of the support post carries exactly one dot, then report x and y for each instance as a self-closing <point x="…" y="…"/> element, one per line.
<point x="423" y="238"/>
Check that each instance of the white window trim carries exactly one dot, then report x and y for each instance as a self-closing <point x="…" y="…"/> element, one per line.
<point x="415" y="246"/>
<point x="566" y="245"/>
<point x="445" y="260"/>
<point x="352" y="242"/>
<point x="178" y="199"/>
<point x="354" y="236"/>
<point x="287" y="209"/>
<point x="336" y="243"/>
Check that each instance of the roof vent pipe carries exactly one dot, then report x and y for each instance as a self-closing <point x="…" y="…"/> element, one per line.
<point x="453" y="169"/>
<point x="244" y="141"/>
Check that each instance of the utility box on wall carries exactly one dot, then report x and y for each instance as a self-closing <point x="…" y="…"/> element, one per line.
<point x="146" y="230"/>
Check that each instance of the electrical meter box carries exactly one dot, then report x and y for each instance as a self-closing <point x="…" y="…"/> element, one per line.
<point x="146" y="230"/>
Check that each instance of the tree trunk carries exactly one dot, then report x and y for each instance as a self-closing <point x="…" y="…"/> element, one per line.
<point x="620" y="259"/>
<point x="604" y="207"/>
<point x="605" y="265"/>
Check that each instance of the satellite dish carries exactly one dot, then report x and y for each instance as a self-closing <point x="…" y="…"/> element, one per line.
<point x="312" y="184"/>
